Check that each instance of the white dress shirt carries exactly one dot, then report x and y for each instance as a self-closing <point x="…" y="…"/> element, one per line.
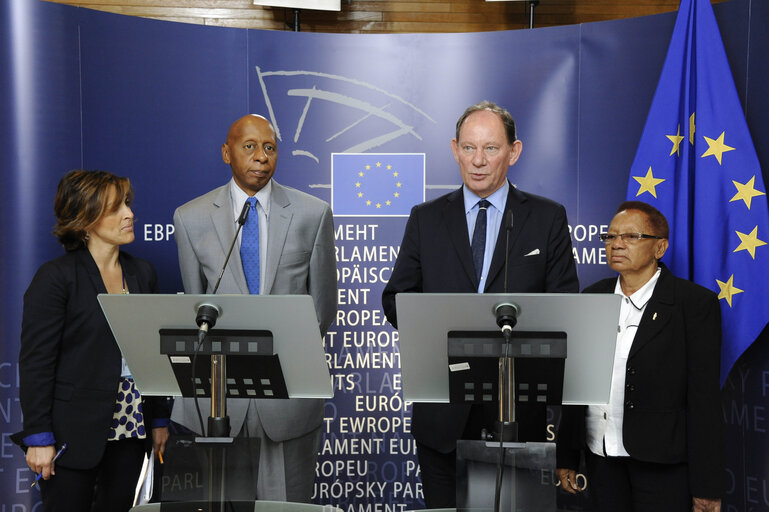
<point x="604" y="422"/>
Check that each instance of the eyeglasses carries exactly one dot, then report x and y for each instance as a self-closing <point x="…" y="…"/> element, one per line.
<point x="626" y="237"/>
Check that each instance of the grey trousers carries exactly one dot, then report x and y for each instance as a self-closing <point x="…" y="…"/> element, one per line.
<point x="286" y="469"/>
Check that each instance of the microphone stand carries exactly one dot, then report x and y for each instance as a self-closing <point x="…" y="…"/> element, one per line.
<point x="218" y="433"/>
<point x="218" y="421"/>
<point x="507" y="316"/>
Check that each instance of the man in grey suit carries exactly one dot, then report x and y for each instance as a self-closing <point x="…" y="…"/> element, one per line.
<point x="295" y="246"/>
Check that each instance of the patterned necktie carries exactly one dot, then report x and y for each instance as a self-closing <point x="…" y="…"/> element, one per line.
<point x="479" y="238"/>
<point x="249" y="247"/>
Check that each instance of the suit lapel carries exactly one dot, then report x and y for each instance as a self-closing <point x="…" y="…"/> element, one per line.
<point x="85" y="259"/>
<point x="281" y="213"/>
<point x="129" y="273"/>
<point x="516" y="202"/>
<point x="658" y="312"/>
<point x="456" y="225"/>
<point x="224" y="225"/>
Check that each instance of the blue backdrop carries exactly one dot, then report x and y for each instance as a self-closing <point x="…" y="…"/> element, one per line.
<point x="153" y="101"/>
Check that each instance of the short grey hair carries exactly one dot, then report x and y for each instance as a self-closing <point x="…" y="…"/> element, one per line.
<point x="504" y="116"/>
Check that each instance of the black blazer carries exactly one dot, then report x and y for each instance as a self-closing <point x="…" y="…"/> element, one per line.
<point x="435" y="257"/>
<point x="672" y="408"/>
<point x="69" y="364"/>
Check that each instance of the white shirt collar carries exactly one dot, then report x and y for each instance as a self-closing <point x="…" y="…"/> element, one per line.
<point x="644" y="293"/>
<point x="238" y="197"/>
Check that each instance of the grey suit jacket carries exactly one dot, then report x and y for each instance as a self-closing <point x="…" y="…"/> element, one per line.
<point x="300" y="260"/>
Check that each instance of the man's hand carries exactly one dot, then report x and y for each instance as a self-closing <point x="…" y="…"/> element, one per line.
<point x="568" y="480"/>
<point x="40" y="460"/>
<point x="706" y="505"/>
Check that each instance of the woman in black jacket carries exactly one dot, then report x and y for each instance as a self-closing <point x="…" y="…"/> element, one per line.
<point x="75" y="388"/>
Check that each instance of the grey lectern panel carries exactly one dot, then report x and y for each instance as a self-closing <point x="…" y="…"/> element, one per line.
<point x="589" y="321"/>
<point x="258" y="506"/>
<point x="136" y="319"/>
<point x="527" y="483"/>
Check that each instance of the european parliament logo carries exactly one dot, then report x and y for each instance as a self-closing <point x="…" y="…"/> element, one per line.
<point x="376" y="184"/>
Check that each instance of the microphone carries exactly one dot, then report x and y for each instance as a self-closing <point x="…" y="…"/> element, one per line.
<point x="507" y="316"/>
<point x="241" y="220"/>
<point x="208" y="313"/>
<point x="508" y="229"/>
<point x="507" y="312"/>
<point x="206" y="319"/>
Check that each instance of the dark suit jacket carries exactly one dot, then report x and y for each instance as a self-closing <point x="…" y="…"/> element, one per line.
<point x="672" y="398"/>
<point x="69" y="364"/>
<point x="435" y="257"/>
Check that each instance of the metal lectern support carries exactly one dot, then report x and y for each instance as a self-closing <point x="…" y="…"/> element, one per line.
<point x="506" y="426"/>
<point x="218" y="422"/>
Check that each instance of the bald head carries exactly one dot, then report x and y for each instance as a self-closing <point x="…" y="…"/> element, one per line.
<point x="247" y="120"/>
<point x="251" y="151"/>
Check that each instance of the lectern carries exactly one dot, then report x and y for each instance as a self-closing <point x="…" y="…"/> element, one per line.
<point x="452" y="351"/>
<point x="137" y="319"/>
<point x="269" y="346"/>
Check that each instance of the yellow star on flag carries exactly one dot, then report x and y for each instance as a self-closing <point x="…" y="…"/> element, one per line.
<point x="357" y="184"/>
<point x="388" y="202"/>
<point x="397" y="194"/>
<point x="379" y="164"/>
<point x="360" y="174"/>
<point x="368" y="203"/>
<point x="648" y="183"/>
<point x="398" y="184"/>
<point x="746" y="192"/>
<point x="395" y="174"/>
<point x="716" y="147"/>
<point x="676" y="140"/>
<point x="749" y="242"/>
<point x="360" y="194"/>
<point x="389" y="167"/>
<point x="368" y="167"/>
<point x="691" y="129"/>
<point x="379" y="205"/>
<point x="728" y="290"/>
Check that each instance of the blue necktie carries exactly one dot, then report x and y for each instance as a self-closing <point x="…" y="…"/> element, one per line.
<point x="249" y="247"/>
<point x="478" y="244"/>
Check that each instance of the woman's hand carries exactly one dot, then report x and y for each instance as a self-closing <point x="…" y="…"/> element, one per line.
<point x="159" y="438"/>
<point x="706" y="505"/>
<point x="568" y="480"/>
<point x="40" y="460"/>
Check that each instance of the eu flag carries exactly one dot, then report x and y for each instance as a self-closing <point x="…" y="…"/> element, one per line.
<point x="376" y="184"/>
<point x="696" y="163"/>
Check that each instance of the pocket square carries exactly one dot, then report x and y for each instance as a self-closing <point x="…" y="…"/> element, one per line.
<point x="532" y="253"/>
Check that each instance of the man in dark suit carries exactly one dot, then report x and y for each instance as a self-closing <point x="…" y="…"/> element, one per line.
<point x="436" y="256"/>
<point x="658" y="445"/>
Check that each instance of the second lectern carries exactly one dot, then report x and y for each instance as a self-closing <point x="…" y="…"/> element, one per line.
<point x="559" y="350"/>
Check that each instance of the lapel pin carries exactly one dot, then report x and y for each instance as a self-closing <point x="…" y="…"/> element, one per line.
<point x="654" y="317"/>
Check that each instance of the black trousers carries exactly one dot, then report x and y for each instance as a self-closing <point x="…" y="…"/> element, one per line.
<point x="109" y="487"/>
<point x="624" y="484"/>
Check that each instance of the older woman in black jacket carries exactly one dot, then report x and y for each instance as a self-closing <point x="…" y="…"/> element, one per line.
<point x="75" y="389"/>
<point x="658" y="445"/>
